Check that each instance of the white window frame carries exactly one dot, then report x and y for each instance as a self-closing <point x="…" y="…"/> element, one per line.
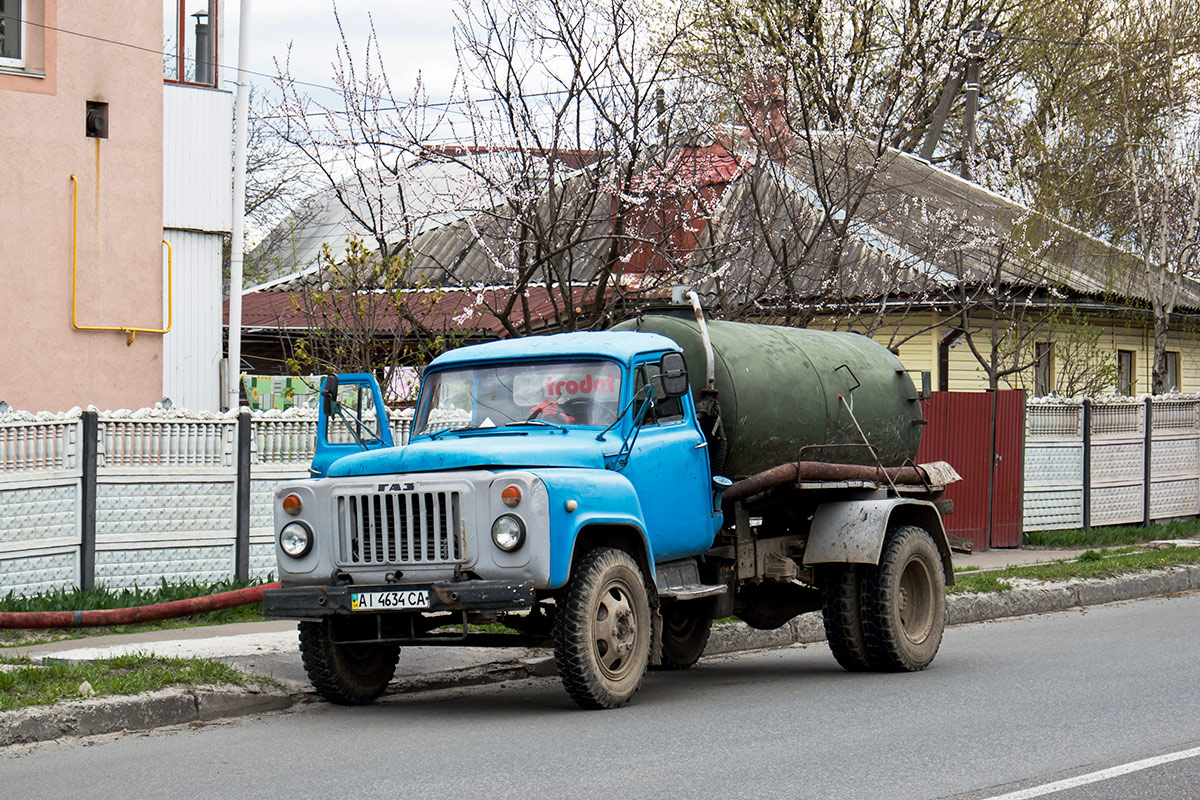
<point x="23" y="37"/>
<point x="1043" y="368"/>
<point x="1173" y="368"/>
<point x="1127" y="378"/>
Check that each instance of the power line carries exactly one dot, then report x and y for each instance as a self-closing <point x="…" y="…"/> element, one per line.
<point x="325" y="87"/>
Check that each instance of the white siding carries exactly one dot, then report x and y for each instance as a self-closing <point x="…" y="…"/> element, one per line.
<point x="192" y="350"/>
<point x="197" y="158"/>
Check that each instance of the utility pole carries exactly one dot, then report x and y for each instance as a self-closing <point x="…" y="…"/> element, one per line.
<point x="940" y="114"/>
<point x="237" y="234"/>
<point x="974" y="59"/>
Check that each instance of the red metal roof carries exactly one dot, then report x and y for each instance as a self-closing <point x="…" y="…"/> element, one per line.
<point x="443" y="309"/>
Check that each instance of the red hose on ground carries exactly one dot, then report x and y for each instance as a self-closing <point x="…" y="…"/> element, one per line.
<point x="125" y="616"/>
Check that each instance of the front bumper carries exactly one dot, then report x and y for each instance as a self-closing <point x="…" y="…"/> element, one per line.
<point x="314" y="602"/>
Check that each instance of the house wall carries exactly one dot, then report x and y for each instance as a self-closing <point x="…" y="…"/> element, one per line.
<point x="197" y="211"/>
<point x="919" y="352"/>
<point x="47" y="364"/>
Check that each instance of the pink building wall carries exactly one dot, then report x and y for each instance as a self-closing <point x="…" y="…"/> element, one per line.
<point x="45" y="364"/>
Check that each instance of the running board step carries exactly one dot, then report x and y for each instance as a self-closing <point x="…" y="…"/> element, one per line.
<point x="692" y="592"/>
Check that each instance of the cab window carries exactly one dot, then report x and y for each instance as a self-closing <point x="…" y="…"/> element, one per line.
<point x="662" y="409"/>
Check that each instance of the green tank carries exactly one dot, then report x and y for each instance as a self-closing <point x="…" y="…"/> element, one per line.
<point x="779" y="393"/>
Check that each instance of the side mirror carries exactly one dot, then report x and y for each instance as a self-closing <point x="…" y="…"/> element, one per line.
<point x="329" y="393"/>
<point x="674" y="375"/>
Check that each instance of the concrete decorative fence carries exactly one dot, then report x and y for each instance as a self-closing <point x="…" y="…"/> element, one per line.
<point x="128" y="498"/>
<point x="1116" y="461"/>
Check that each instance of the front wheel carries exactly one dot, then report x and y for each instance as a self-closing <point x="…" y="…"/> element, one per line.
<point x="602" y="630"/>
<point x="346" y="674"/>
<point x="903" y="603"/>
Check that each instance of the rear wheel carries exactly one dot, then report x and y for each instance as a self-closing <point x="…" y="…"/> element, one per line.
<point x="346" y="674"/>
<point x="903" y="603"/>
<point x="843" y="620"/>
<point x="602" y="630"/>
<point x="686" y="627"/>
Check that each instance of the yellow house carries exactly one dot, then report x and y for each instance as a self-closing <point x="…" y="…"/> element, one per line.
<point x="1122" y="356"/>
<point x="938" y="269"/>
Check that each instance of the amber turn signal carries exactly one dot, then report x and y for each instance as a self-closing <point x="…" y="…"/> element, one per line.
<point x="511" y="496"/>
<point x="292" y="504"/>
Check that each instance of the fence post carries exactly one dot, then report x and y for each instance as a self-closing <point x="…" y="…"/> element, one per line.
<point x="1146" y="462"/>
<point x="242" y="546"/>
<point x="87" y="497"/>
<point x="1087" y="463"/>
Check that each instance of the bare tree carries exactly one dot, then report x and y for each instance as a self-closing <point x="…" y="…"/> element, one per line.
<point x="357" y="320"/>
<point x="822" y="93"/>
<point x="1161" y="177"/>
<point x="550" y="171"/>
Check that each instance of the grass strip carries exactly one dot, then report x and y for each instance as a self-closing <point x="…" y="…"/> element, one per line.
<point x="1115" y="535"/>
<point x="1091" y="564"/>
<point x="23" y="684"/>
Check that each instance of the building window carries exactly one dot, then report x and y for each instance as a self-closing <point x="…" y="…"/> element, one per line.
<point x="1043" y="376"/>
<point x="190" y="42"/>
<point x="1171" y="379"/>
<point x="12" y="33"/>
<point x="1125" y="372"/>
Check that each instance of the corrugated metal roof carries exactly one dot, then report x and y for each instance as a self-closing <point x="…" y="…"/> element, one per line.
<point x="749" y="232"/>
<point x="438" y="310"/>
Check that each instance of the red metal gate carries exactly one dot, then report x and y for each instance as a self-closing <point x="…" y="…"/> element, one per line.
<point x="988" y="458"/>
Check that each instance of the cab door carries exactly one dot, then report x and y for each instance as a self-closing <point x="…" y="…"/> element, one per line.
<point x="668" y="466"/>
<point x="352" y="419"/>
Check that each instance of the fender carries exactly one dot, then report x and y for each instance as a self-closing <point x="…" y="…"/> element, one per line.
<point x="601" y="498"/>
<point x="852" y="531"/>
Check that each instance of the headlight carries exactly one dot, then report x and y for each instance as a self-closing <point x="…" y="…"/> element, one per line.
<point x="295" y="539"/>
<point x="508" y="532"/>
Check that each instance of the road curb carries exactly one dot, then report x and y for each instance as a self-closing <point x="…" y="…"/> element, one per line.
<point x="962" y="609"/>
<point x="177" y="706"/>
<point x="171" y="706"/>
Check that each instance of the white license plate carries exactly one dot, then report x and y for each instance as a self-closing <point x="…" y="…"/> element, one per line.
<point x="390" y="600"/>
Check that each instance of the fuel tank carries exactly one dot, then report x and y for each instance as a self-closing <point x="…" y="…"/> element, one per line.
<point x="779" y="393"/>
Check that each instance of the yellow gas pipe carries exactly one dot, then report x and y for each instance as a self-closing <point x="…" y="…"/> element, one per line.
<point x="75" y="272"/>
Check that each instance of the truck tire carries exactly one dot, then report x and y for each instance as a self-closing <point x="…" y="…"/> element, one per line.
<point x="843" y="620"/>
<point x="903" y="603"/>
<point x="602" y="630"/>
<point x="685" y="631"/>
<point x="346" y="674"/>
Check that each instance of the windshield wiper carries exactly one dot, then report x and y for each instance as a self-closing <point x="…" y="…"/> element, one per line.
<point x="535" y="421"/>
<point x="444" y="431"/>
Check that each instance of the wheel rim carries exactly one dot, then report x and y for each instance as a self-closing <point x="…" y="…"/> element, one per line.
<point x="916" y="602"/>
<point x="616" y="625"/>
<point x="360" y="659"/>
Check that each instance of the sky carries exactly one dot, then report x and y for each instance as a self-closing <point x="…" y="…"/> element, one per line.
<point x="416" y="37"/>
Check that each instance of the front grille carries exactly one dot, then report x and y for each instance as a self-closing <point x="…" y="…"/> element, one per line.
<point x="400" y="528"/>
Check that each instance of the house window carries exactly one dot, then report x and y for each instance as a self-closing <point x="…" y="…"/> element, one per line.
<point x="12" y="33"/>
<point x="1043" y="377"/>
<point x="1171" y="379"/>
<point x="190" y="41"/>
<point x="1125" y="375"/>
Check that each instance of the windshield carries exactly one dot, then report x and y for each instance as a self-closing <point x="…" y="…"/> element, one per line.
<point x="557" y="392"/>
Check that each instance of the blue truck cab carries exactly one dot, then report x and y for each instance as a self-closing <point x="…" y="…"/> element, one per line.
<point x="525" y="456"/>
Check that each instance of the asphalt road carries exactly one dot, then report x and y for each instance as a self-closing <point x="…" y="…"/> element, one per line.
<point x="1006" y="707"/>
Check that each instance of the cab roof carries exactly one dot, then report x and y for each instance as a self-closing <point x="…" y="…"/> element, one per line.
<point x="621" y="345"/>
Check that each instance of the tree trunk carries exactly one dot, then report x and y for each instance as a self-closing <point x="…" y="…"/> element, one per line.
<point x="1158" y="380"/>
